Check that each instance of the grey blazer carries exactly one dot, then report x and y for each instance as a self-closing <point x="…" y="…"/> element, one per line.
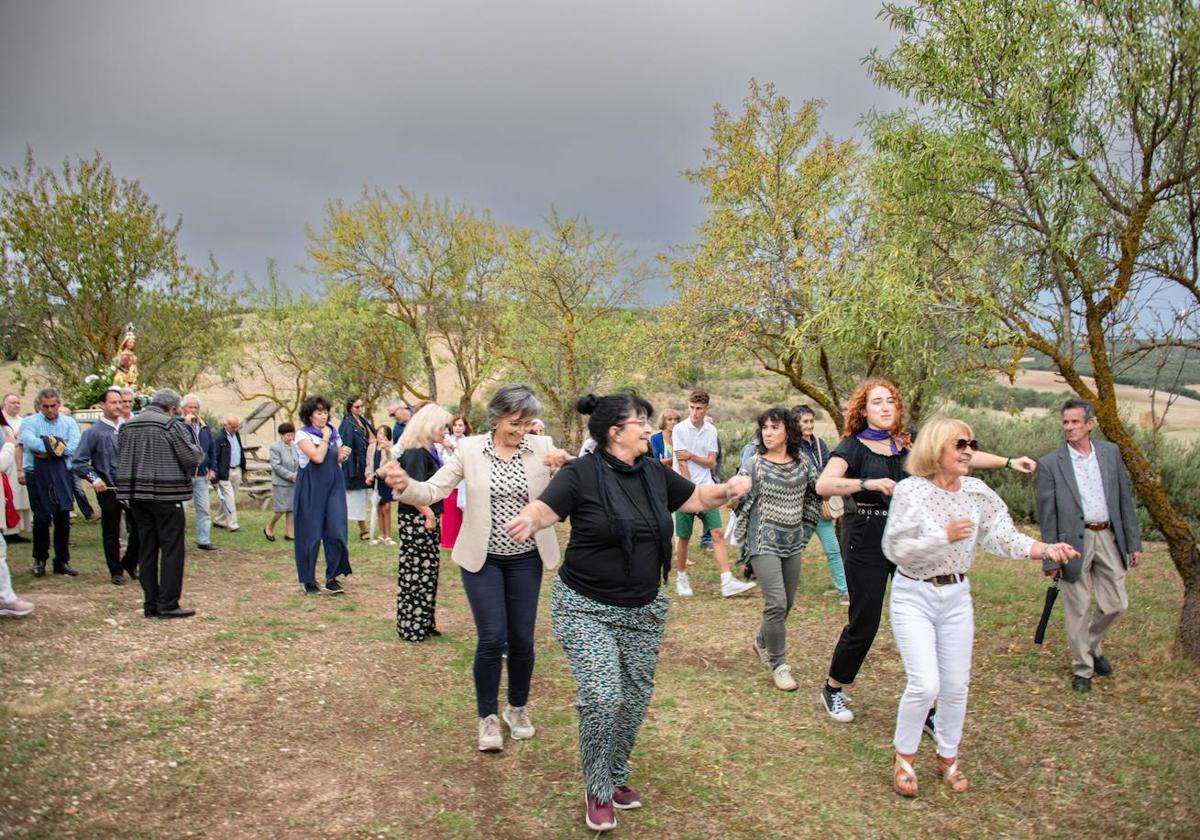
<point x="1060" y="510"/>
<point x="283" y="464"/>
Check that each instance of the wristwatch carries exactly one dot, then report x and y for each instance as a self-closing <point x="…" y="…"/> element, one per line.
<point x="862" y="484"/>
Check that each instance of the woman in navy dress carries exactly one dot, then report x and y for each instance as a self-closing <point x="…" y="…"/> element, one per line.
<point x="320" y="500"/>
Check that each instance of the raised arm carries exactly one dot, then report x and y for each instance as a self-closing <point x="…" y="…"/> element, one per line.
<point x="710" y="496"/>
<point x="988" y="461"/>
<point x="533" y="517"/>
<point x="417" y="493"/>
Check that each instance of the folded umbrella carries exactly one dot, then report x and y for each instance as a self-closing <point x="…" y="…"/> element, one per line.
<point x="1051" y="596"/>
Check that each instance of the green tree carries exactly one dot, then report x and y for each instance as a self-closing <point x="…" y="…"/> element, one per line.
<point x="87" y="254"/>
<point x="568" y="319"/>
<point x="1054" y="164"/>
<point x="797" y="266"/>
<point x="436" y="266"/>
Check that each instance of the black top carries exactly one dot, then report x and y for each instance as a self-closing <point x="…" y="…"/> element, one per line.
<point x="864" y="528"/>
<point x="593" y="564"/>
<point x="420" y="466"/>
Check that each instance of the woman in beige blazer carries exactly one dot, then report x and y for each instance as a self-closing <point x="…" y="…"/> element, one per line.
<point x="504" y="469"/>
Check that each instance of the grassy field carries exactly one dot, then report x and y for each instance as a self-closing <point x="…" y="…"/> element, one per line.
<point x="274" y="715"/>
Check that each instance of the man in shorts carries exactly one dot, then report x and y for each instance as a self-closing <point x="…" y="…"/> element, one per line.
<point x="695" y="457"/>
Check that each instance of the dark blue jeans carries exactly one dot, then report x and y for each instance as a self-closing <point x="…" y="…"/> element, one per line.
<point x="504" y="599"/>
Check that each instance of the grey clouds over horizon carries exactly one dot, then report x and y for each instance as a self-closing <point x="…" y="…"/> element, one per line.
<point x="246" y="118"/>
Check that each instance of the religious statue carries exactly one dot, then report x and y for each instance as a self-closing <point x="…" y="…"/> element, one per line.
<point x="126" y="362"/>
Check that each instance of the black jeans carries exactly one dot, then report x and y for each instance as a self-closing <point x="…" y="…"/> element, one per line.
<point x="867" y="574"/>
<point x="160" y="530"/>
<point x="504" y="599"/>
<point x="110" y="535"/>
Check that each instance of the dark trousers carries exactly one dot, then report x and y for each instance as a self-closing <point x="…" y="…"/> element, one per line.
<point x="81" y="499"/>
<point x="160" y="528"/>
<point x="504" y="599"/>
<point x="110" y="535"/>
<point x="46" y="514"/>
<point x="867" y="574"/>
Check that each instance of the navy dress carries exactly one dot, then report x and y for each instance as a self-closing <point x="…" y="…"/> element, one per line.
<point x="320" y="516"/>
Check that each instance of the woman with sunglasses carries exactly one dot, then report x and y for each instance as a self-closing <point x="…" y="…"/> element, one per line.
<point x="938" y="519"/>
<point x="867" y="465"/>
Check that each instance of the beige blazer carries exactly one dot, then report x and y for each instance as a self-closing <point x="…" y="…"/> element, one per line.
<point x="469" y="463"/>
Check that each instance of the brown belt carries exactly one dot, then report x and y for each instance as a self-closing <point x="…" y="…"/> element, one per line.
<point x="939" y="580"/>
<point x="1096" y="526"/>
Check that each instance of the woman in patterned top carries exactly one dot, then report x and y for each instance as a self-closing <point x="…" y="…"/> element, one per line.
<point x="774" y="523"/>
<point x="867" y="465"/>
<point x="608" y="608"/>
<point x="418" y="528"/>
<point x="502" y="577"/>
<point x="938" y="519"/>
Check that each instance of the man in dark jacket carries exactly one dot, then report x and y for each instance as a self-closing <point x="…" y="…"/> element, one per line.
<point x="157" y="459"/>
<point x="206" y="473"/>
<point x="231" y="466"/>
<point x="1084" y="499"/>
<point x="96" y="462"/>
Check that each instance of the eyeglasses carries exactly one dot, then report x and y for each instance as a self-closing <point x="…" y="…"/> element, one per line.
<point x="963" y="444"/>
<point x="640" y="421"/>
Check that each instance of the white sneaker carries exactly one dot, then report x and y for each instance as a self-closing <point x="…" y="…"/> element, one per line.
<point x="783" y="678"/>
<point x="491" y="738"/>
<point x="733" y="586"/>
<point x="518" y="722"/>
<point x="682" y="586"/>
<point x="16" y="609"/>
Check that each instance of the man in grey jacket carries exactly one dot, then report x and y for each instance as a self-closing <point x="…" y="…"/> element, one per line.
<point x="1084" y="499"/>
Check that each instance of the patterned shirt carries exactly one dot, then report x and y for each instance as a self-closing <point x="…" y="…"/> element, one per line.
<point x="1090" y="484"/>
<point x="783" y="506"/>
<point x="916" y="540"/>
<point x="510" y="492"/>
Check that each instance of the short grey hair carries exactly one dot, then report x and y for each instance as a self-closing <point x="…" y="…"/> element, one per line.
<point x="187" y="398"/>
<point x="513" y="399"/>
<point x="127" y="391"/>
<point x="165" y="398"/>
<point x="1089" y="413"/>
<point x="48" y="394"/>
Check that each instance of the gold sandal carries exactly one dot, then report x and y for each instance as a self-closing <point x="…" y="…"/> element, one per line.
<point x="903" y="773"/>
<point x="953" y="777"/>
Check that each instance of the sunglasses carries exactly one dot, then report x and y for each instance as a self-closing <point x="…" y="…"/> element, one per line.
<point x="963" y="443"/>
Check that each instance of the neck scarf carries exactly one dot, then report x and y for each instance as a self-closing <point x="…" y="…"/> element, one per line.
<point x="437" y="459"/>
<point x="619" y="510"/>
<point x="877" y="435"/>
<point x="334" y="440"/>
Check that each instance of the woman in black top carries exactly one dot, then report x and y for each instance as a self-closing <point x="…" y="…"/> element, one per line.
<point x="607" y="608"/>
<point x="418" y="528"/>
<point x="357" y="433"/>
<point x="867" y="465"/>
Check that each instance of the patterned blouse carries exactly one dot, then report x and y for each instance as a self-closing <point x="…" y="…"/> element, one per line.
<point x="782" y="507"/>
<point x="510" y="492"/>
<point x="916" y="541"/>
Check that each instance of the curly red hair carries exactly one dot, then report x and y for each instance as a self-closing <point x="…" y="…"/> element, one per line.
<point x="856" y="410"/>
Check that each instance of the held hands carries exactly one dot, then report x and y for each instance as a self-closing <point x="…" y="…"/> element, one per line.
<point x="555" y="458"/>
<point x="1024" y="465"/>
<point x="959" y="529"/>
<point x="430" y="522"/>
<point x="521" y="528"/>
<point x="395" y="477"/>
<point x="886" y="486"/>
<point x="737" y="487"/>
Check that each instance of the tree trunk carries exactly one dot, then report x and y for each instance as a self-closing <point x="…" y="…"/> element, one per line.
<point x="430" y="370"/>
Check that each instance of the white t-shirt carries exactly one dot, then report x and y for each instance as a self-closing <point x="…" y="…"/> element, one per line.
<point x="702" y="442"/>
<point x="302" y="460"/>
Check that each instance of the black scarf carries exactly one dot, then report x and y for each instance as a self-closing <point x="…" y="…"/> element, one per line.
<point x="618" y="506"/>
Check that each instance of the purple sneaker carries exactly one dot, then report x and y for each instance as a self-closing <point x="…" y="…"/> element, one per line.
<point x="626" y="798"/>
<point x="599" y="816"/>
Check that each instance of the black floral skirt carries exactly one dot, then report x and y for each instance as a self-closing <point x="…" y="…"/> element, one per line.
<point x="417" y="577"/>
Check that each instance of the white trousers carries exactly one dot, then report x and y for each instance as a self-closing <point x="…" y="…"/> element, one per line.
<point x="934" y="628"/>
<point x="6" y="590"/>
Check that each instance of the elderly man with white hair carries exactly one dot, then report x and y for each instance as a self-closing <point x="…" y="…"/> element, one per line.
<point x="230" y="459"/>
<point x="205" y="474"/>
<point x="15" y="472"/>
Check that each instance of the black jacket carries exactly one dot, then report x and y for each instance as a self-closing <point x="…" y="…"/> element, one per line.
<point x="355" y="467"/>
<point x="224" y="450"/>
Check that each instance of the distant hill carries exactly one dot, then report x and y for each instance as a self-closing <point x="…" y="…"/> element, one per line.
<point x="1176" y="370"/>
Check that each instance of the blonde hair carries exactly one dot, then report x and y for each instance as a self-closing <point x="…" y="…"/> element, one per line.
<point x="931" y="440"/>
<point x="420" y="429"/>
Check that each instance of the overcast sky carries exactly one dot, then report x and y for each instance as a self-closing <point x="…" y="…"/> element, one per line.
<point x="245" y="117"/>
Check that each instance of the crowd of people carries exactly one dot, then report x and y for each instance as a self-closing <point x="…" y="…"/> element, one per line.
<point x="906" y="507"/>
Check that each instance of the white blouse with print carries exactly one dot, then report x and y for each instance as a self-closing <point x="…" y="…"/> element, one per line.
<point x="915" y="538"/>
